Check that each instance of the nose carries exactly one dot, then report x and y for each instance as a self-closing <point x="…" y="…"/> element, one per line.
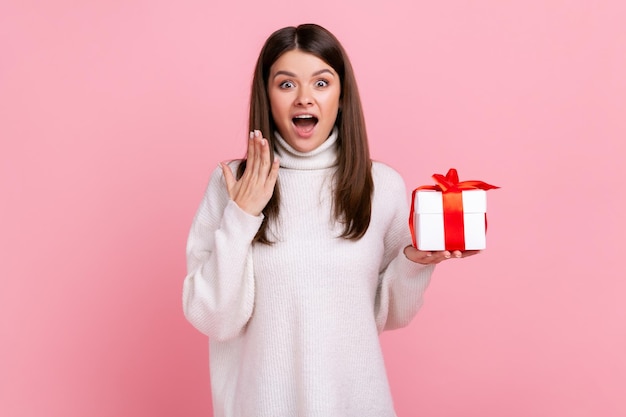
<point x="304" y="97"/>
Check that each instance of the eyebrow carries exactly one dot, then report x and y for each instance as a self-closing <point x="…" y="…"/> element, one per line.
<point x="315" y="74"/>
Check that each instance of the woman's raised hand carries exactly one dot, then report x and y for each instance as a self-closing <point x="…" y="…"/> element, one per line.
<point x="254" y="189"/>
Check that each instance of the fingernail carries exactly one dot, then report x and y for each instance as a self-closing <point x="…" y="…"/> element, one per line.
<point x="447" y="255"/>
<point x="257" y="133"/>
<point x="251" y="135"/>
<point x="458" y="255"/>
<point x="429" y="254"/>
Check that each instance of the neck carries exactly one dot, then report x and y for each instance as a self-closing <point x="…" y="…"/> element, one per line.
<point x="324" y="156"/>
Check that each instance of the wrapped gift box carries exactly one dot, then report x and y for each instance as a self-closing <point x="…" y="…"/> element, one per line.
<point x="450" y="215"/>
<point x="429" y="221"/>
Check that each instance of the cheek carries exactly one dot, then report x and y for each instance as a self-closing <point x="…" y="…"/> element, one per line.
<point x="333" y="100"/>
<point x="332" y="106"/>
<point x="278" y="106"/>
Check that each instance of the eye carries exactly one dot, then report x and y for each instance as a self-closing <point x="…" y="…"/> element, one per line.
<point x="286" y="84"/>
<point x="321" y="83"/>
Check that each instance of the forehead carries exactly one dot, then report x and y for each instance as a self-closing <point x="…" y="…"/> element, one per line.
<point x="299" y="63"/>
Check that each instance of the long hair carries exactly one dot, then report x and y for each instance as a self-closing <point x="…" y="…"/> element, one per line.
<point x="353" y="184"/>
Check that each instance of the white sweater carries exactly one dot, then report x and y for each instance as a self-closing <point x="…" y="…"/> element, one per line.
<point x="293" y="327"/>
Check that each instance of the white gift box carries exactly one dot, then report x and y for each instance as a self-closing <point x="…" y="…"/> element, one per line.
<point x="428" y="220"/>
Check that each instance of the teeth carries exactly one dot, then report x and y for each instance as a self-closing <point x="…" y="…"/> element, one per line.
<point x="303" y="116"/>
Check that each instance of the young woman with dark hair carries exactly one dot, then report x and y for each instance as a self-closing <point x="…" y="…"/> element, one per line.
<point x="300" y="254"/>
<point x="353" y="188"/>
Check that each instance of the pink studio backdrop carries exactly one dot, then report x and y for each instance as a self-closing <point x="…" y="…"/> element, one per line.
<point x="114" y="113"/>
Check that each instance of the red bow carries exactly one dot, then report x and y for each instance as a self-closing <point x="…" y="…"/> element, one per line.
<point x="450" y="183"/>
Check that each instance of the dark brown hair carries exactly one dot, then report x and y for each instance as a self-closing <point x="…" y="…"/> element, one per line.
<point x="353" y="185"/>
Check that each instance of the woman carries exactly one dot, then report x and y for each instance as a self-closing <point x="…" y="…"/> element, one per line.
<point x="300" y="255"/>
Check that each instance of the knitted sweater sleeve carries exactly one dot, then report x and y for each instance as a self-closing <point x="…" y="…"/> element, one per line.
<point x="402" y="283"/>
<point x="218" y="291"/>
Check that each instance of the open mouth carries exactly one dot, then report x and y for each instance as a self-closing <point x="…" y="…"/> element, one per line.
<point x="305" y="123"/>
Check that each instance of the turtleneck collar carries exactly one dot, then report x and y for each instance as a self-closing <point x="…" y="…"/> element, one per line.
<point x="324" y="156"/>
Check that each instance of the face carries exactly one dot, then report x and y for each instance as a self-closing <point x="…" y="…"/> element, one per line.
<point x="304" y="96"/>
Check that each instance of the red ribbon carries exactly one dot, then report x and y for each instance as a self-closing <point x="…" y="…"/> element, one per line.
<point x="451" y="189"/>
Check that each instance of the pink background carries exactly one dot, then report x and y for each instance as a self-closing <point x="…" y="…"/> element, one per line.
<point x="114" y="113"/>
